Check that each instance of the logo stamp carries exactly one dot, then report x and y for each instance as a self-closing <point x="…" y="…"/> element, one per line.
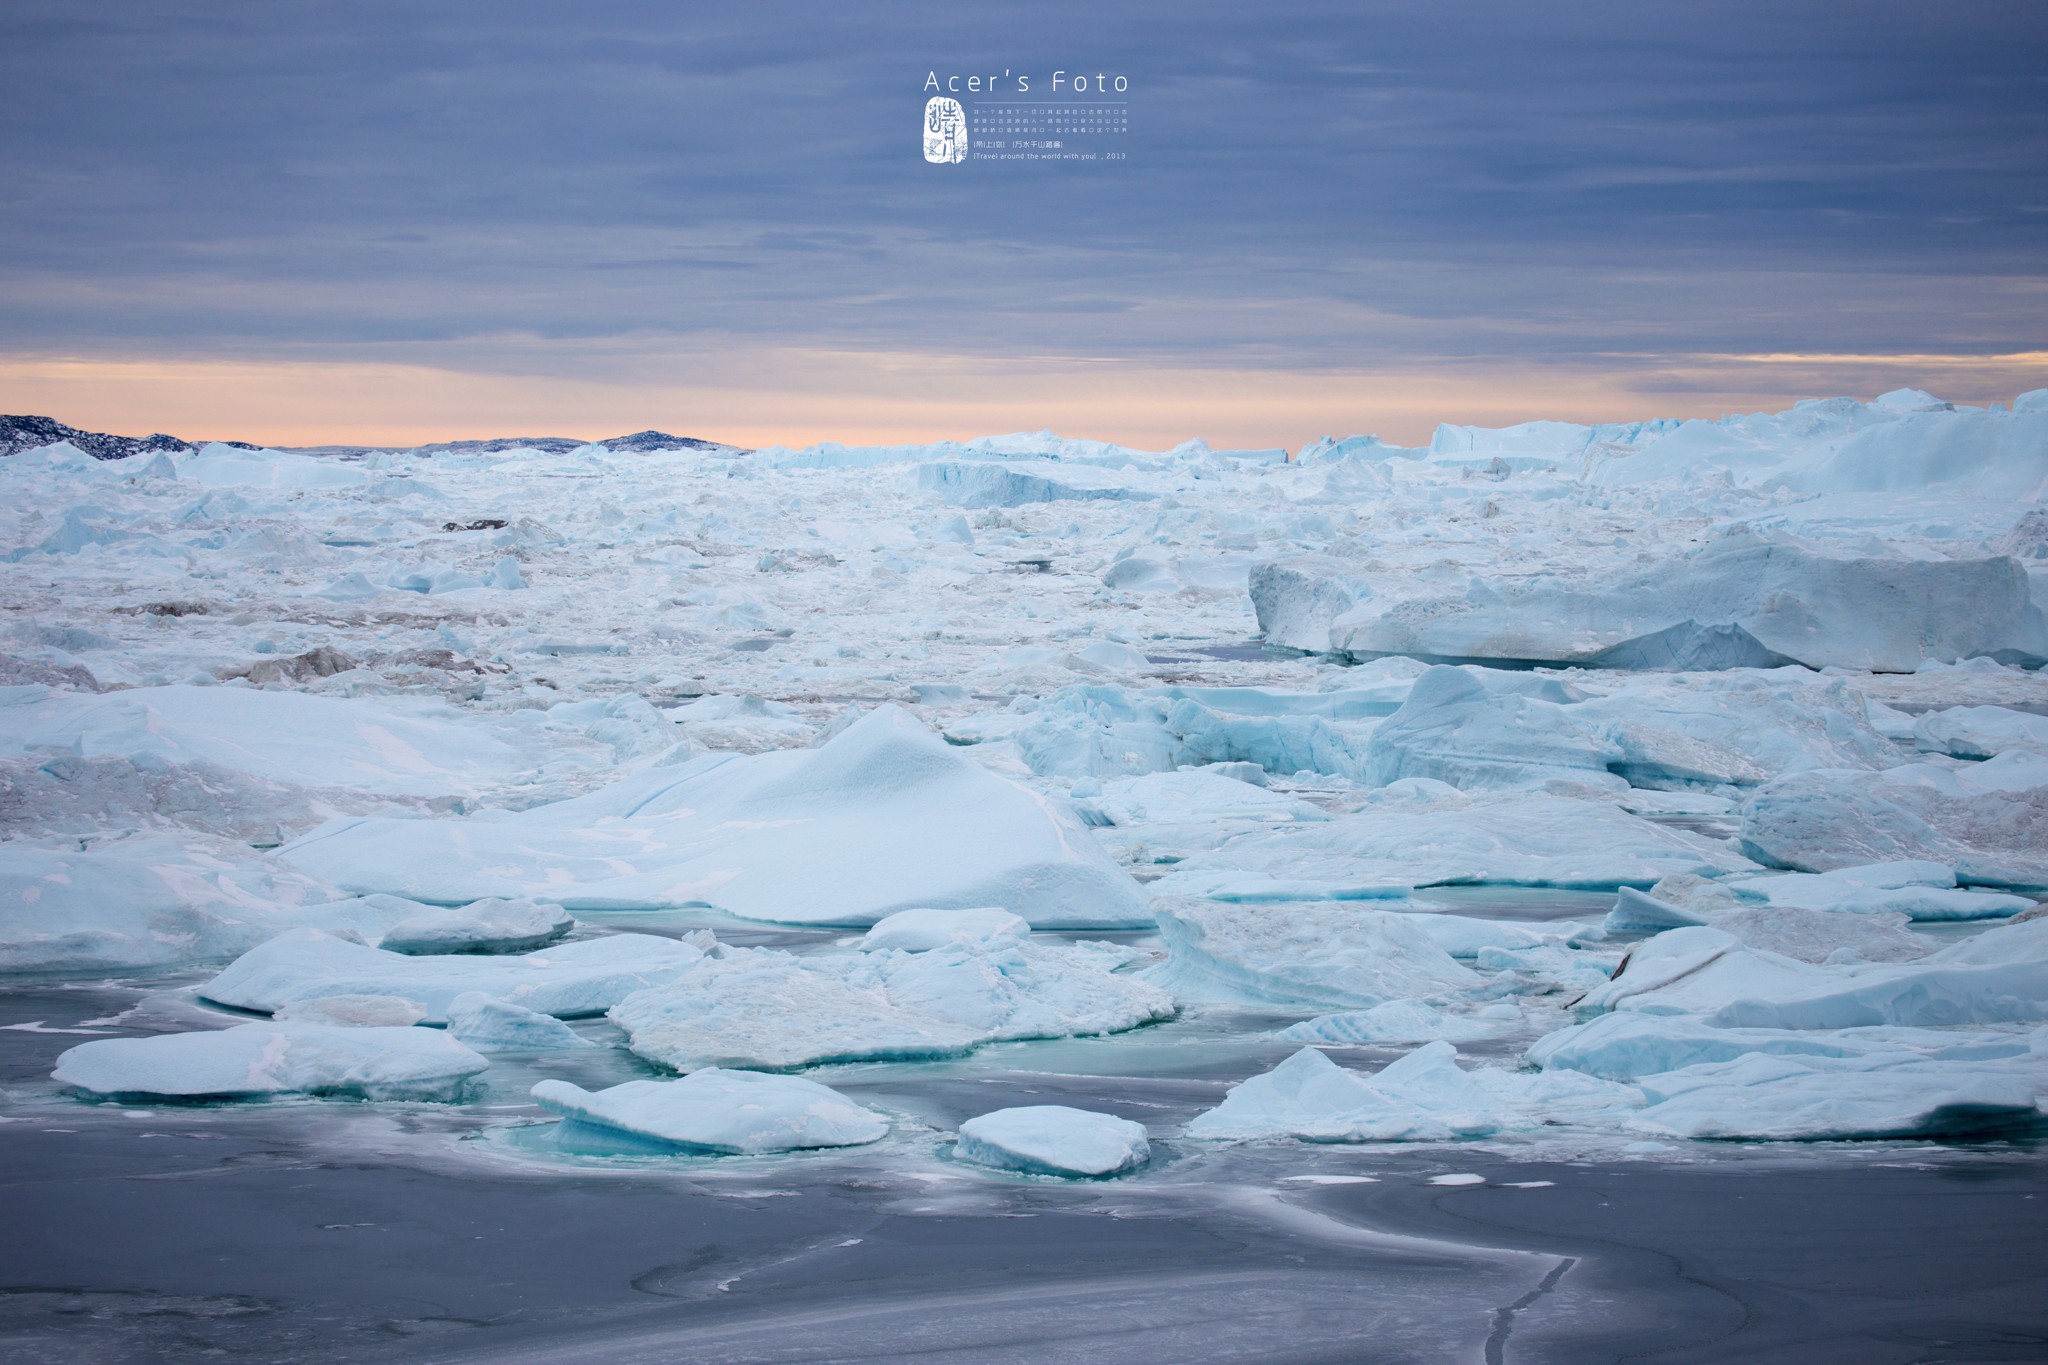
<point x="945" y="131"/>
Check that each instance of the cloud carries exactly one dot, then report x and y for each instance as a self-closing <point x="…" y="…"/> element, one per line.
<point x="1313" y="189"/>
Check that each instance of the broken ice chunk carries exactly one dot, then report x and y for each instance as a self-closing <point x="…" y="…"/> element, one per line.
<point x="884" y="817"/>
<point x="1397" y="1021"/>
<point x="713" y="1111"/>
<point x="1886" y="1096"/>
<point x="770" y="1009"/>
<point x="1422" y="1097"/>
<point x="485" y="926"/>
<point x="1053" y="1139"/>
<point x="1317" y="957"/>
<point x="253" y="1061"/>
<point x="916" y="931"/>
<point x="492" y="1025"/>
<point x="571" y="980"/>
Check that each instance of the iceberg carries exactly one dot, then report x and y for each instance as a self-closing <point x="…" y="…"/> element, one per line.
<point x="1052" y="1139"/>
<point x="1400" y="1021"/>
<point x="257" y="1061"/>
<point x="1986" y="821"/>
<point x="885" y="816"/>
<point x="711" y="1112"/>
<point x="770" y="1010"/>
<point x="980" y="483"/>
<point x="1997" y="977"/>
<point x="1310" y="957"/>
<point x="917" y="931"/>
<point x="1295" y="600"/>
<point x="396" y="747"/>
<point x="1770" y="603"/>
<point x="1524" y="839"/>
<point x="485" y="926"/>
<point x="1309" y="1096"/>
<point x="488" y="1024"/>
<point x="570" y="981"/>
<point x="152" y="901"/>
<point x="1811" y="1098"/>
<point x="1980" y="731"/>
<point x="1627" y="1046"/>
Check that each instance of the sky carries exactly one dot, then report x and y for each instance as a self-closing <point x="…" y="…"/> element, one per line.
<point x="303" y="223"/>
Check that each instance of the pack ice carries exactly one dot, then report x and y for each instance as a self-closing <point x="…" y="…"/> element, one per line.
<point x="1770" y="683"/>
<point x="1728" y="1039"/>
<point x="884" y="817"/>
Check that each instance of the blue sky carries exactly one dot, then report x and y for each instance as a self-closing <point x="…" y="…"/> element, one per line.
<point x="303" y="222"/>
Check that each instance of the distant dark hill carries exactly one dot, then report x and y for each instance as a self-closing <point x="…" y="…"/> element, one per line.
<point x="19" y="433"/>
<point x="26" y="433"/>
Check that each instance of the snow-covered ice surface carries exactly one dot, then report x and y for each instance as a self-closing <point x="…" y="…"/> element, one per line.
<point x="712" y="1111"/>
<point x="1660" y="804"/>
<point x="256" y="1061"/>
<point x="1053" y="1139"/>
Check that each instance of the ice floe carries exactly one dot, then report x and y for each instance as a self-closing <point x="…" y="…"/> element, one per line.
<point x="714" y="1111"/>
<point x="145" y="902"/>
<point x="773" y="1010"/>
<point x="570" y="981"/>
<point x="489" y="1024"/>
<point x="1311" y="957"/>
<point x="1531" y="839"/>
<point x="485" y="926"/>
<point x="884" y="817"/>
<point x="1053" y="1139"/>
<point x="1424" y="1096"/>
<point x="258" y="1061"/>
<point x="1987" y="821"/>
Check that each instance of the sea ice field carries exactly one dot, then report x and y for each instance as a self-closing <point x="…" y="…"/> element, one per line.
<point x="1560" y="893"/>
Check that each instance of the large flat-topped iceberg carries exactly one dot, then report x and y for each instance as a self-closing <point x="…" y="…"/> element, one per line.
<point x="885" y="817"/>
<point x="1772" y="603"/>
<point x="982" y="483"/>
<point x="256" y="1061"/>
